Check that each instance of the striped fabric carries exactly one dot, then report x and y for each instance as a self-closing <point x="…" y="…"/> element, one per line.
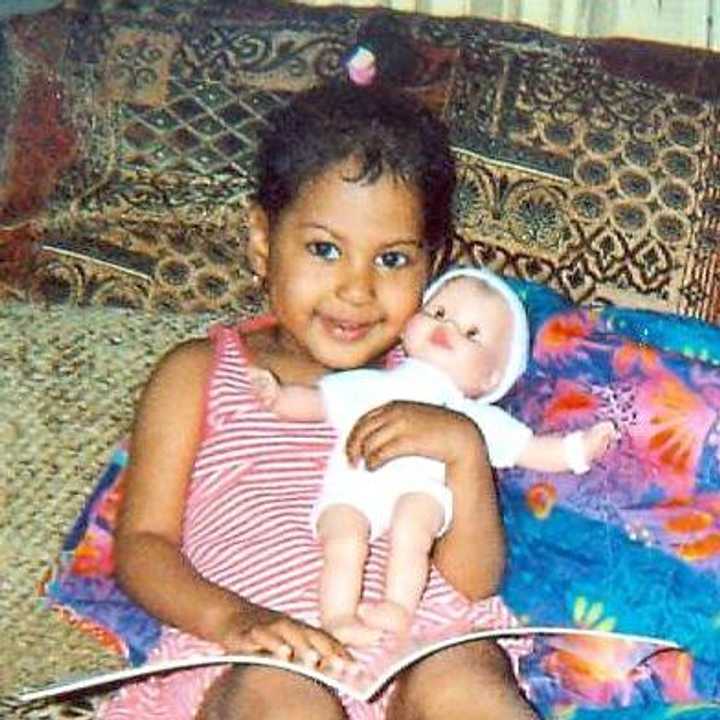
<point x="247" y="528"/>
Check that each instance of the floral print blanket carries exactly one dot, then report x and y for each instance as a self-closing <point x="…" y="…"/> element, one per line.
<point x="631" y="547"/>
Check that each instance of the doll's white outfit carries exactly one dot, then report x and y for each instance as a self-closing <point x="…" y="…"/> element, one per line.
<point x="348" y="395"/>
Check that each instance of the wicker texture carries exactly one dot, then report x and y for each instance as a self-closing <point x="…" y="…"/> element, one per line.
<point x="68" y="380"/>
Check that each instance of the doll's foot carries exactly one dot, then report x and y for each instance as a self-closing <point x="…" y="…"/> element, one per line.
<point x="351" y="630"/>
<point x="387" y="616"/>
<point x="598" y="439"/>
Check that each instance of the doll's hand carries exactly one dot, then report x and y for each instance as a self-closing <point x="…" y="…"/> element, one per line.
<point x="266" y="631"/>
<point x="581" y="447"/>
<point x="265" y="386"/>
<point x="597" y="439"/>
<point x="407" y="428"/>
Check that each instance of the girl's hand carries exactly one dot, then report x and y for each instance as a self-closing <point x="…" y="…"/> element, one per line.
<point x="266" y="631"/>
<point x="408" y="428"/>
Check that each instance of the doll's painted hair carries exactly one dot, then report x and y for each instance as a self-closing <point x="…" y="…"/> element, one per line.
<point x="385" y="130"/>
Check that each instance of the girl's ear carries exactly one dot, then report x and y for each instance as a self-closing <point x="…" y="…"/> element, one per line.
<point x="258" y="245"/>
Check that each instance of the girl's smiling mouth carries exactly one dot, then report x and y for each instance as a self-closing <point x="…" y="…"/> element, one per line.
<point x="345" y="330"/>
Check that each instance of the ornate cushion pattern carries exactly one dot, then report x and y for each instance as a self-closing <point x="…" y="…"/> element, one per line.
<point x="571" y="173"/>
<point x="591" y="183"/>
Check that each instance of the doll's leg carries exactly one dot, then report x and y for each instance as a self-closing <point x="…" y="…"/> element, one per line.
<point x="416" y="521"/>
<point x="343" y="532"/>
<point x="256" y="693"/>
<point x="466" y="682"/>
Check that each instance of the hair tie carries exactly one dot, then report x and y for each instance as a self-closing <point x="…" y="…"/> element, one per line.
<point x="361" y="66"/>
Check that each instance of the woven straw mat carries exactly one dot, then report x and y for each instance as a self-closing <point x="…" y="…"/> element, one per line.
<point x="68" y="381"/>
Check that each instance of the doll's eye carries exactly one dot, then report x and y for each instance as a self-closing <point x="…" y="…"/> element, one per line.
<point x="473" y="334"/>
<point x="438" y="312"/>
<point x="323" y="249"/>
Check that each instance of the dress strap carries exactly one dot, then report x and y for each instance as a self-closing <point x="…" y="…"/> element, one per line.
<point x="230" y="357"/>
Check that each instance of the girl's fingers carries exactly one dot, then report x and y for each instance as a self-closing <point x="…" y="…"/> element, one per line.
<point x="297" y="637"/>
<point x="265" y="640"/>
<point x="367" y="423"/>
<point x="369" y="444"/>
<point x="391" y="448"/>
<point x="376" y="443"/>
<point x="314" y="647"/>
<point x="327" y="646"/>
<point x="289" y="640"/>
<point x="364" y="430"/>
<point x="384" y="438"/>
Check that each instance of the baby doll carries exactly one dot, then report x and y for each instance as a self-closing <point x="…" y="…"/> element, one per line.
<point x="465" y="349"/>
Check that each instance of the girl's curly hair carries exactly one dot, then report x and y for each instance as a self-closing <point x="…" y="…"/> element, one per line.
<point x="385" y="130"/>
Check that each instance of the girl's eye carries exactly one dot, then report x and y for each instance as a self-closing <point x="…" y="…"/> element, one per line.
<point x="324" y="250"/>
<point x="473" y="334"/>
<point x="438" y="312"/>
<point x="392" y="260"/>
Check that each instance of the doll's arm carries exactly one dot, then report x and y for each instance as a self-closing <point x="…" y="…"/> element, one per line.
<point x="576" y="451"/>
<point x="290" y="402"/>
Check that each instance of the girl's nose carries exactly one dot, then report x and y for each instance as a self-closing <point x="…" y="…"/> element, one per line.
<point x="356" y="285"/>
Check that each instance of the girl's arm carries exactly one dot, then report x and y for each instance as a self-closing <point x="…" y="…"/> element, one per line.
<point x="149" y="562"/>
<point x="471" y="554"/>
<point x="165" y="438"/>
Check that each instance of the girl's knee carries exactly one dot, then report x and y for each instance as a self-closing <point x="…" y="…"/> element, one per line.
<point x="253" y="693"/>
<point x="482" y="661"/>
<point x="474" y="680"/>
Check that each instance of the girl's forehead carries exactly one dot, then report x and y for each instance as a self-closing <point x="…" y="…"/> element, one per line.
<point x="385" y="207"/>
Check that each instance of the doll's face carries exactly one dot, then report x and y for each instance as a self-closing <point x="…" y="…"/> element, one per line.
<point x="464" y="329"/>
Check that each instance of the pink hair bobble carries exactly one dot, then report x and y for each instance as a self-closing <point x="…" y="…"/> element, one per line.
<point x="361" y="66"/>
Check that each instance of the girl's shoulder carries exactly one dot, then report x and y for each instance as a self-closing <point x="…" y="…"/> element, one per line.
<point x="188" y="361"/>
<point x="193" y="359"/>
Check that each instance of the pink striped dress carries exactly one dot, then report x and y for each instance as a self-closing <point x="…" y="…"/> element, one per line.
<point x="254" y="482"/>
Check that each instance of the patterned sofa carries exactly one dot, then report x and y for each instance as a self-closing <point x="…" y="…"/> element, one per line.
<point x="126" y="138"/>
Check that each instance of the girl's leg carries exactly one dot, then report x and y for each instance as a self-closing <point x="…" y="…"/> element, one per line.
<point x="417" y="518"/>
<point x="473" y="681"/>
<point x="258" y="693"/>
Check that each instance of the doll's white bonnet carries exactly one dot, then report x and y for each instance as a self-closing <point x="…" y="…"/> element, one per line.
<point x="520" y="343"/>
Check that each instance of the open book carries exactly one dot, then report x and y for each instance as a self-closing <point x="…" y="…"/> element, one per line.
<point x="371" y="677"/>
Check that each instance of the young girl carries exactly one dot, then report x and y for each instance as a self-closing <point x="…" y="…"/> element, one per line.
<point x="352" y="212"/>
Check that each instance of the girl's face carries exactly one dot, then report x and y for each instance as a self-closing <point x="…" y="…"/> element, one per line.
<point x="345" y="265"/>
